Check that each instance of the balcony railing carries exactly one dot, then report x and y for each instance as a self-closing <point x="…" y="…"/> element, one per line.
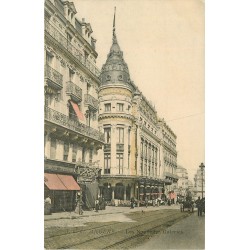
<point x="107" y="147"/>
<point x="63" y="120"/>
<point x="55" y="79"/>
<point x="91" y="101"/>
<point x="74" y="91"/>
<point x="60" y="38"/>
<point x="119" y="147"/>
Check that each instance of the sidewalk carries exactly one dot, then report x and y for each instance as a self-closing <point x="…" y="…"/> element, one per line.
<point x="108" y="210"/>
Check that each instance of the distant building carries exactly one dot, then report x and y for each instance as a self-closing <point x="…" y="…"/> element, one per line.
<point x="199" y="178"/>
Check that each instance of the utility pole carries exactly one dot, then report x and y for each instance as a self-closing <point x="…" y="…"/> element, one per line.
<point x="202" y="166"/>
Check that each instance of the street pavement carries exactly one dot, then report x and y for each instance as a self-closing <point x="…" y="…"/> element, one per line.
<point x="72" y="219"/>
<point x="188" y="233"/>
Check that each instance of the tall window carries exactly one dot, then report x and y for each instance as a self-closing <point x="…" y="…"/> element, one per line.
<point x="65" y="151"/>
<point x="107" y="135"/>
<point x="71" y="75"/>
<point x="107" y="107"/>
<point x="119" y="106"/>
<point x="141" y="167"/>
<point x="107" y="163"/>
<point x="120" y="135"/>
<point x="83" y="154"/>
<point x="119" y="162"/>
<point x="74" y="150"/>
<point x="90" y="155"/>
<point x="49" y="58"/>
<point x="53" y="148"/>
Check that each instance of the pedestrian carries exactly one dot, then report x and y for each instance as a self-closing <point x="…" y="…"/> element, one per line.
<point x="146" y="201"/>
<point x="132" y="202"/>
<point x="97" y="204"/>
<point x="158" y="202"/>
<point x="199" y="206"/>
<point x="47" y="205"/>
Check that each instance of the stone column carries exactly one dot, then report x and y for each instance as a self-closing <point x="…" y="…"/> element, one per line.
<point x="59" y="149"/>
<point x="70" y="152"/>
<point x="113" y="150"/>
<point x="113" y="192"/>
<point x="47" y="145"/>
<point x="125" y="153"/>
<point x="125" y="195"/>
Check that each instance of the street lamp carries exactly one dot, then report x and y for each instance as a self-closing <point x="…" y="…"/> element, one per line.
<point x="202" y="166"/>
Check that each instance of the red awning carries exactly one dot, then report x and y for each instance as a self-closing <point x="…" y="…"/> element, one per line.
<point x="77" y="110"/>
<point x="53" y="182"/>
<point x="69" y="182"/>
<point x="60" y="182"/>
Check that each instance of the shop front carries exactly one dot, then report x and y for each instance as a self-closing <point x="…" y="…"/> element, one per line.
<point x="62" y="191"/>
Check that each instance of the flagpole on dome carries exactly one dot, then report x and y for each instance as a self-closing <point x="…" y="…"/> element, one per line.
<point x="114" y="35"/>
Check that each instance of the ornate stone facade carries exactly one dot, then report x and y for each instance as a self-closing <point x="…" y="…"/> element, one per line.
<point x="136" y="139"/>
<point x="72" y="140"/>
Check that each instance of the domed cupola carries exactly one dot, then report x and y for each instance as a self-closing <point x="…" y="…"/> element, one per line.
<point x="115" y="70"/>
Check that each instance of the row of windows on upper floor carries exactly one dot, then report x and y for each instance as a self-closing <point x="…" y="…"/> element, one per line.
<point x="119" y="135"/>
<point x="65" y="154"/>
<point x="57" y="67"/>
<point x="119" y="163"/>
<point x="74" y="109"/>
<point x="83" y="28"/>
<point x="119" y="107"/>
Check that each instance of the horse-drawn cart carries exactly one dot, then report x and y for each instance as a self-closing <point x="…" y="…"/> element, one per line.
<point x="187" y="203"/>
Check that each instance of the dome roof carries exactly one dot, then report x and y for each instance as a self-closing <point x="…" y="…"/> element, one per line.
<point x="115" y="70"/>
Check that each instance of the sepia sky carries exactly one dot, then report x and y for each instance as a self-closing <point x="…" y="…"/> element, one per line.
<point x="163" y="45"/>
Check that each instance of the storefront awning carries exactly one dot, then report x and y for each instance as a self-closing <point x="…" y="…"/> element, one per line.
<point x="69" y="182"/>
<point x="77" y="110"/>
<point x="60" y="182"/>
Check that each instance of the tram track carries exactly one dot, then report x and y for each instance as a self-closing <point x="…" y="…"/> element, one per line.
<point x="68" y="239"/>
<point x="73" y="230"/>
<point x="127" y="233"/>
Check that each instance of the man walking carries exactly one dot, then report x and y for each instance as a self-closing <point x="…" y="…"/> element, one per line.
<point x="199" y="206"/>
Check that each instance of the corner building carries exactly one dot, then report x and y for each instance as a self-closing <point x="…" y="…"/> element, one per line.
<point x="139" y="156"/>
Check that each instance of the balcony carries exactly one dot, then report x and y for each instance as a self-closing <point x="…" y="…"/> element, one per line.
<point x="76" y="53"/>
<point x="60" y="119"/>
<point x="107" y="147"/>
<point x="91" y="101"/>
<point x="119" y="147"/>
<point x="53" y="78"/>
<point x="74" y="91"/>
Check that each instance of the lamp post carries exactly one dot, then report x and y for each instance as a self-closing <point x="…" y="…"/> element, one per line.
<point x="202" y="166"/>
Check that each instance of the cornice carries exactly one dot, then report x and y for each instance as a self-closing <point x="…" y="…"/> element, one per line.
<point x="116" y="85"/>
<point x="115" y="115"/>
<point x="150" y="133"/>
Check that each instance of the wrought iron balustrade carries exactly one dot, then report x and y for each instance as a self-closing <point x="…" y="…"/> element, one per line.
<point x="58" y="118"/>
<point x="90" y="100"/>
<point x="59" y="37"/>
<point x="119" y="147"/>
<point x="107" y="147"/>
<point x="73" y="90"/>
<point x="54" y="76"/>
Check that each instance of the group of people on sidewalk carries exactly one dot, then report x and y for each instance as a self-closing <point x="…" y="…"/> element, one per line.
<point x="200" y="204"/>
